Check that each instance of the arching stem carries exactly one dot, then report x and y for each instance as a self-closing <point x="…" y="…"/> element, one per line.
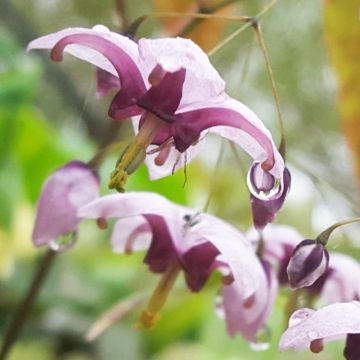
<point x="324" y="236"/>
<point x="260" y="37"/>
<point x="23" y="310"/>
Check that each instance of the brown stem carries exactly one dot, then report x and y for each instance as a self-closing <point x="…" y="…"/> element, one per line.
<point x="260" y="37"/>
<point x="23" y="310"/>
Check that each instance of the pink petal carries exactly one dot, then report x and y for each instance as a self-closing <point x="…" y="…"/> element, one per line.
<point x="137" y="203"/>
<point x="174" y="161"/>
<point x="334" y="320"/>
<point x="232" y="120"/>
<point x="130" y="234"/>
<point x="248" y="316"/>
<point x="235" y="251"/>
<point x="202" y="80"/>
<point x="89" y="55"/>
<point x="66" y="190"/>
<point x="342" y="284"/>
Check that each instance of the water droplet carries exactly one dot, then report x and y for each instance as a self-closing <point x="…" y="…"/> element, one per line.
<point x="63" y="243"/>
<point x="261" y="193"/>
<point x="259" y="346"/>
<point x="219" y="307"/>
<point x="262" y="341"/>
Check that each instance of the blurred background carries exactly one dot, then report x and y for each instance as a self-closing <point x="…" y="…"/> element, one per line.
<point x="49" y="115"/>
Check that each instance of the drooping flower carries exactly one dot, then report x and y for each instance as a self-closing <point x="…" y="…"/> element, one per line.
<point x="178" y="239"/>
<point x="175" y="89"/>
<point x="64" y="192"/>
<point x="265" y="203"/>
<point x="309" y="328"/>
<point x="309" y="261"/>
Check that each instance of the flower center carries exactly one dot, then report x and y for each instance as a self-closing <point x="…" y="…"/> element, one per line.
<point x="135" y="153"/>
<point x="150" y="316"/>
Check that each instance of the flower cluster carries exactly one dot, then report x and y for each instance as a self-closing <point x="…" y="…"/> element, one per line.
<point x="175" y="99"/>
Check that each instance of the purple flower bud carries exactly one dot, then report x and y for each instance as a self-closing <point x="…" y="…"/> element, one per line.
<point x="309" y="261"/>
<point x="64" y="192"/>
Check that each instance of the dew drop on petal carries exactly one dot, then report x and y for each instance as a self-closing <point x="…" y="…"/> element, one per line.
<point x="259" y="346"/>
<point x="257" y="192"/>
<point x="262" y="341"/>
<point x="219" y="307"/>
<point x="63" y="243"/>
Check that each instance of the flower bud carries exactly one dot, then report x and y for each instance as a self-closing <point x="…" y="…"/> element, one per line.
<point x="309" y="261"/>
<point x="63" y="193"/>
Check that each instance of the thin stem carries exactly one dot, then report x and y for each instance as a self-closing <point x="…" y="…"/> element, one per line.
<point x="324" y="236"/>
<point x="213" y="177"/>
<point x="203" y="14"/>
<point x="23" y="310"/>
<point x="249" y="22"/>
<point x="246" y="63"/>
<point x="204" y="10"/>
<point x="237" y="156"/>
<point x="260" y="37"/>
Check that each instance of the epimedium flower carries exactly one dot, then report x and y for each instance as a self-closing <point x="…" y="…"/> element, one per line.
<point x="339" y="282"/>
<point x="177" y="238"/>
<point x="172" y="85"/>
<point x="309" y="328"/>
<point x="64" y="192"/>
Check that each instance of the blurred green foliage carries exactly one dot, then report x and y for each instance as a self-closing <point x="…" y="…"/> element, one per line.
<point x="40" y="131"/>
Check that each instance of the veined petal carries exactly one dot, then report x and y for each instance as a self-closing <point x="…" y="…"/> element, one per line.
<point x="202" y="81"/>
<point x="243" y="127"/>
<point x="331" y="321"/>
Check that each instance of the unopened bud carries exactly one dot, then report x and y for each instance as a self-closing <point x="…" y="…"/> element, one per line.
<point x="308" y="262"/>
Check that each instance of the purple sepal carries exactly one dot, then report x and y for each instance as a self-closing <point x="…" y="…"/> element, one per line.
<point x="198" y="263"/>
<point x="161" y="251"/>
<point x="164" y="98"/>
<point x="309" y="261"/>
